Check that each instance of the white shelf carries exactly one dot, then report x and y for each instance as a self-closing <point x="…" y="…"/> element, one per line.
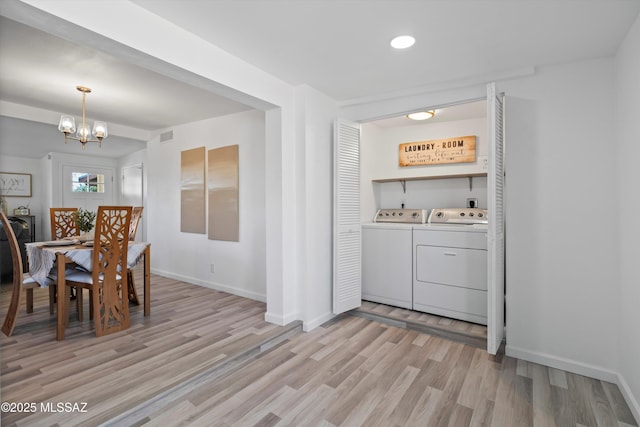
<point x="403" y="181"/>
<point x="420" y="178"/>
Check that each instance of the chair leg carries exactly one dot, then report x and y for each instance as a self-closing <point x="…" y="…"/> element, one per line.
<point x="90" y="304"/>
<point x="30" y="300"/>
<point x="52" y="298"/>
<point x="80" y="303"/>
<point x="12" y="312"/>
<point x="131" y="289"/>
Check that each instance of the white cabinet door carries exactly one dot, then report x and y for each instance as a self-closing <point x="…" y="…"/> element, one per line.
<point x="347" y="269"/>
<point x="495" y="235"/>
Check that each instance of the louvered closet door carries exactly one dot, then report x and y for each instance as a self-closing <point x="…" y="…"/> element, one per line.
<point x="495" y="238"/>
<point x="347" y="270"/>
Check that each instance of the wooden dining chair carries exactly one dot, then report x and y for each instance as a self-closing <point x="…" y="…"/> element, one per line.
<point x="107" y="281"/>
<point x="63" y="224"/>
<point x="20" y="280"/>
<point x="136" y="215"/>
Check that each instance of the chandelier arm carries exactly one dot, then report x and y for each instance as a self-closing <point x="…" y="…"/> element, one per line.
<point x="75" y="138"/>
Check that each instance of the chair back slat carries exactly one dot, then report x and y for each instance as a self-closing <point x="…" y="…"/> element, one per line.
<point x="110" y="300"/>
<point x="136" y="215"/>
<point x="14" y="305"/>
<point x="63" y="224"/>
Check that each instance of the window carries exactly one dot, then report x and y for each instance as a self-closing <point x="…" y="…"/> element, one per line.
<point x="86" y="182"/>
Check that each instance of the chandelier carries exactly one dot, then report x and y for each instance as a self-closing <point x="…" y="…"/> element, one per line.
<point x="83" y="135"/>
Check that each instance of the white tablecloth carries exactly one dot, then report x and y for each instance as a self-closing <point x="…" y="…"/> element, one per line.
<point x="42" y="259"/>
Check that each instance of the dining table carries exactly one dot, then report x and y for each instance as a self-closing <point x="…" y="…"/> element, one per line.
<point x="50" y="260"/>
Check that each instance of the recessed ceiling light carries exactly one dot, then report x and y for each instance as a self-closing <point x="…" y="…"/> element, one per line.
<point x="422" y="115"/>
<point x="402" y="42"/>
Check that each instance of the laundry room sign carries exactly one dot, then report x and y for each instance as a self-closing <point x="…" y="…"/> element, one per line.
<point x="460" y="149"/>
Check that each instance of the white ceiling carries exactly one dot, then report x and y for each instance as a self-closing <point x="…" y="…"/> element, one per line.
<point x="341" y="47"/>
<point x="338" y="47"/>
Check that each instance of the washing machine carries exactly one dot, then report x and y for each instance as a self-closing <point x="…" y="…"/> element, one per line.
<point x="387" y="256"/>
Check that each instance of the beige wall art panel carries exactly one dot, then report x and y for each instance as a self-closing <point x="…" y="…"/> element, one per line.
<point x="223" y="184"/>
<point x="192" y="191"/>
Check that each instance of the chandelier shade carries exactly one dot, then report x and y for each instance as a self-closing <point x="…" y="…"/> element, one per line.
<point x="99" y="130"/>
<point x="67" y="124"/>
<point x="83" y="133"/>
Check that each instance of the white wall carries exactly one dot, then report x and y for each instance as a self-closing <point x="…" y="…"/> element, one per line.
<point x="317" y="112"/>
<point x="136" y="158"/>
<point x="562" y="244"/>
<point x="384" y="152"/>
<point x="627" y="182"/>
<point x="379" y="160"/>
<point x="240" y="267"/>
<point x="30" y="166"/>
<point x="431" y="194"/>
<point x="46" y="178"/>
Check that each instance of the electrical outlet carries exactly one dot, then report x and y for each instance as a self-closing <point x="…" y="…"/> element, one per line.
<point x="213" y="270"/>
<point x="472" y="202"/>
<point x="484" y="163"/>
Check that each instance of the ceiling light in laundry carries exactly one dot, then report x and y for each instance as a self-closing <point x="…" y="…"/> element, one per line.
<point x="402" y="42"/>
<point x="422" y="115"/>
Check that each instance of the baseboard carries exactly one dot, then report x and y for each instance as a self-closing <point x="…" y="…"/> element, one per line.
<point x="312" y="324"/>
<point x="580" y="369"/>
<point x="280" y="320"/>
<point x="276" y="319"/>
<point x="568" y="365"/>
<point x="212" y="285"/>
<point x="629" y="398"/>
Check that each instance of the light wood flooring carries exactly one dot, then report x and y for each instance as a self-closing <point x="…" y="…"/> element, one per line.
<point x="444" y="327"/>
<point x="208" y="358"/>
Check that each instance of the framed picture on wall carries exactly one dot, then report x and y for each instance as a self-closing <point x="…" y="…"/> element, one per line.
<point x="15" y="184"/>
